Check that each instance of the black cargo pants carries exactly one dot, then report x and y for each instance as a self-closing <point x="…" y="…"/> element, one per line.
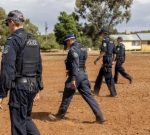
<point x="84" y="87"/>
<point x="20" y="106"/>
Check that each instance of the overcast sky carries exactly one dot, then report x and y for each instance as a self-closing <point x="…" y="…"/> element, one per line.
<point x="39" y="11"/>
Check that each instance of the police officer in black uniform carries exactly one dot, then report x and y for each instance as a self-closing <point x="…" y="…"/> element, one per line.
<point x="78" y="79"/>
<point x="120" y="59"/>
<point x="21" y="70"/>
<point x="107" y="50"/>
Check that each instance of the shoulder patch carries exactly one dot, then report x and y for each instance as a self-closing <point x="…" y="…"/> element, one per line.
<point x="75" y="55"/>
<point x="10" y="37"/>
<point x="6" y="49"/>
<point x="104" y="44"/>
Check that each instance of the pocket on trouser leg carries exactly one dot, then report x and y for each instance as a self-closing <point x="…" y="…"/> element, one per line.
<point x="14" y="98"/>
<point x="108" y="76"/>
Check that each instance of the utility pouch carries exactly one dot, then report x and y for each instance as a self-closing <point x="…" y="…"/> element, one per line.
<point x="13" y="84"/>
<point x="105" y="69"/>
<point x="107" y="59"/>
<point x="40" y="85"/>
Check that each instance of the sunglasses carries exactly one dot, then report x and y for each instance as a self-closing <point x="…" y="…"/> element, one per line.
<point x="6" y="24"/>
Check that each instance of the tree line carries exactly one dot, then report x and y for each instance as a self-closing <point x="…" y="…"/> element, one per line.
<point x="96" y="14"/>
<point x="29" y="27"/>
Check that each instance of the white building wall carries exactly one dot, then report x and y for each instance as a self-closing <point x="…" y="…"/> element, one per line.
<point x="129" y="46"/>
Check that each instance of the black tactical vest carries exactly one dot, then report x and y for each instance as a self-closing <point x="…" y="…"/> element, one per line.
<point x="121" y="51"/>
<point x="28" y="57"/>
<point x="107" y="58"/>
<point x="110" y="47"/>
<point x="82" y="57"/>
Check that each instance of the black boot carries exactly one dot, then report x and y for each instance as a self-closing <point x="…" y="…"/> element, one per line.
<point x="54" y="117"/>
<point x="96" y="92"/>
<point x="115" y="82"/>
<point x="100" y="119"/>
<point x="131" y="79"/>
<point x="113" y="93"/>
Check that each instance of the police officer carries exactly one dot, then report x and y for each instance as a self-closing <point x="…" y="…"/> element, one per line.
<point x="78" y="79"/>
<point x="21" y="70"/>
<point x="107" y="50"/>
<point x="120" y="59"/>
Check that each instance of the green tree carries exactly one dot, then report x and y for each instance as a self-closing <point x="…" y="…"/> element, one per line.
<point x="28" y="26"/>
<point x="4" y="32"/>
<point x="67" y="24"/>
<point x="103" y="13"/>
<point x="31" y="28"/>
<point x="50" y="43"/>
<point x="2" y="13"/>
<point x="87" y="42"/>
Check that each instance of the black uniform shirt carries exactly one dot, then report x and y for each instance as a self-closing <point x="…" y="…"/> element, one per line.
<point x="8" y="63"/>
<point x="109" y="48"/>
<point x="73" y="59"/>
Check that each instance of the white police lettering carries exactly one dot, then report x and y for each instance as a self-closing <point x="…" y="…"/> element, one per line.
<point x="83" y="49"/>
<point x="32" y="42"/>
<point x="111" y="41"/>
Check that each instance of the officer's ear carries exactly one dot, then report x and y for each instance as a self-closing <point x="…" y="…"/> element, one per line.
<point x="12" y="22"/>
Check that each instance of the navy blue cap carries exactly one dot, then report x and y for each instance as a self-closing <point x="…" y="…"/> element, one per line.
<point x="69" y="36"/>
<point x="104" y="30"/>
<point x="120" y="38"/>
<point x="14" y="15"/>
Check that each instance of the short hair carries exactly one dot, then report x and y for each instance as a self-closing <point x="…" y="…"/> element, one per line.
<point x="18" y="23"/>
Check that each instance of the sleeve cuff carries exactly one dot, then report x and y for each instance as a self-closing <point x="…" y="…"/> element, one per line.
<point x="73" y="78"/>
<point x="2" y="96"/>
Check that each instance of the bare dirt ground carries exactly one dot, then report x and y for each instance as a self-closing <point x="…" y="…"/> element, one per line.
<point x="129" y="114"/>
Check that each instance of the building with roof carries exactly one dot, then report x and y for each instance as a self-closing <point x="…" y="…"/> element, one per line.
<point x="145" y="41"/>
<point x="131" y="41"/>
<point x="139" y="41"/>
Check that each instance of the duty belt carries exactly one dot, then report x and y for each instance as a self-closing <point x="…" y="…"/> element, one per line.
<point x="25" y="80"/>
<point x="81" y="69"/>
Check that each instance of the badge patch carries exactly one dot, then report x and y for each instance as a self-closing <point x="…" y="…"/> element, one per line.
<point x="75" y="54"/>
<point x="10" y="37"/>
<point x="104" y="44"/>
<point x="118" y="49"/>
<point x="6" y="49"/>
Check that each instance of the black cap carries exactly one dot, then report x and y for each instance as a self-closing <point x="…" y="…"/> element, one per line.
<point x="69" y="36"/>
<point x="14" y="15"/>
<point x="104" y="30"/>
<point x="120" y="38"/>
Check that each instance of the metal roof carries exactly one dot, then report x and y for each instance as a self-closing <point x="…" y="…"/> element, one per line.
<point x="144" y="36"/>
<point x="131" y="37"/>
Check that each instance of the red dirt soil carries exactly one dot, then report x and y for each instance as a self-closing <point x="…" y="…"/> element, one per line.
<point x="129" y="114"/>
